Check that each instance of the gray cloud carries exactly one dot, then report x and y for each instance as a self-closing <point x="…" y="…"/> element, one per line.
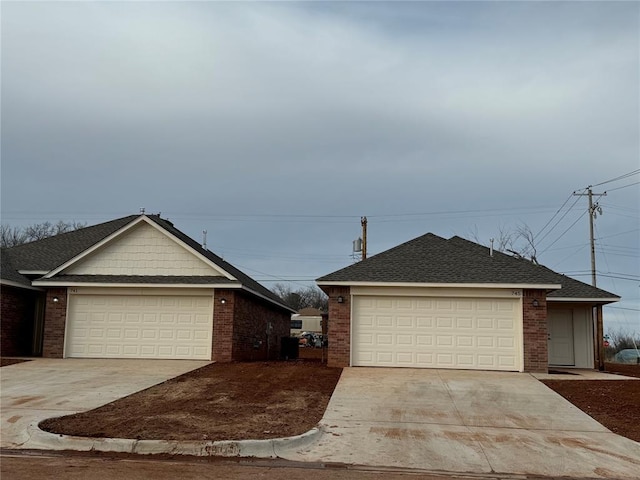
<point x="207" y="109"/>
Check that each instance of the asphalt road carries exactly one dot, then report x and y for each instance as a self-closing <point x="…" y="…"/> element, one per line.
<point x="72" y="466"/>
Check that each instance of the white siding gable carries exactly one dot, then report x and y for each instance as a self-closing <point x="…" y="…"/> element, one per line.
<point x="143" y="250"/>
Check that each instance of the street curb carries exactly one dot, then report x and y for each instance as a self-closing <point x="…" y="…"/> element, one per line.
<point x="39" y="439"/>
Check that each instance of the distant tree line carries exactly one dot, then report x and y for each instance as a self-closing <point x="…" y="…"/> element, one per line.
<point x="309" y="296"/>
<point x="13" y="236"/>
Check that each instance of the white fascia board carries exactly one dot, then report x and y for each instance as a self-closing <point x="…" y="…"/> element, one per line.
<point x="582" y="300"/>
<point x="136" y="285"/>
<point x="555" y="286"/>
<point x="253" y="292"/>
<point x="33" y="272"/>
<point x="10" y="283"/>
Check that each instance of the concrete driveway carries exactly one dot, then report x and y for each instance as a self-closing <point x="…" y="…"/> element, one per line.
<point x="465" y="421"/>
<point x="44" y="388"/>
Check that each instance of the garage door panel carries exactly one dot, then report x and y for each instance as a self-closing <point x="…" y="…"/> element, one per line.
<point x="405" y="322"/>
<point x="108" y="326"/>
<point x="436" y="333"/>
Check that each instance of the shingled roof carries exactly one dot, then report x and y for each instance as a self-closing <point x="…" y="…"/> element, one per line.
<point x="431" y="259"/>
<point x="50" y="253"/>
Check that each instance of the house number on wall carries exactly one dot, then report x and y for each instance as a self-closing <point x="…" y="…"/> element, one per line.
<point x="73" y="290"/>
<point x="516" y="293"/>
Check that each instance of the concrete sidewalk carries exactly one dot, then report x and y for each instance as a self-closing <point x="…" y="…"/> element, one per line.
<point x="465" y="421"/>
<point x="43" y="388"/>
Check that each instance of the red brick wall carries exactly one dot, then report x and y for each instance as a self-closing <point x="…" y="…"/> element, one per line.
<point x="339" y="323"/>
<point x="17" y="317"/>
<point x="250" y="339"/>
<point x="240" y="327"/>
<point x="55" y="317"/>
<point x="223" y="325"/>
<point x="536" y="356"/>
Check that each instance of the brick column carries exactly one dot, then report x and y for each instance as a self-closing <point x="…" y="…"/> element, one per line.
<point x="339" y="323"/>
<point x="222" y="345"/>
<point x="55" y="319"/>
<point x="536" y="355"/>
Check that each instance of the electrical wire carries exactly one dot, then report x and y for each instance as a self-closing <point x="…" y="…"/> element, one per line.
<point x="621" y="177"/>
<point x="624" y="186"/>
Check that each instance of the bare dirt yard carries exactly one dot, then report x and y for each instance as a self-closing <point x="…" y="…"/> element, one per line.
<point x="613" y="403"/>
<point x="218" y="402"/>
<point x="278" y="399"/>
<point x="5" y="362"/>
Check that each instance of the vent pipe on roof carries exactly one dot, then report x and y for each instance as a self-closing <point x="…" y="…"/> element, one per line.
<point x="204" y="239"/>
<point x="491" y="249"/>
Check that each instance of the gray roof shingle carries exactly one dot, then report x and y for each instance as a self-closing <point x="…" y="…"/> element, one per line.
<point x="431" y="259"/>
<point x="10" y="273"/>
<point x="48" y="254"/>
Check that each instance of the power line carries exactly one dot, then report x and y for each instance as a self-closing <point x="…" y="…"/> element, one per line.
<point x="559" y="220"/>
<point x="554" y="216"/>
<point x="624" y="186"/>
<point x="563" y="233"/>
<point x="621" y="177"/>
<point x="623" y="308"/>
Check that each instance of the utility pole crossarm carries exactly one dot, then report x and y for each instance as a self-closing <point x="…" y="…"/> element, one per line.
<point x="593" y="211"/>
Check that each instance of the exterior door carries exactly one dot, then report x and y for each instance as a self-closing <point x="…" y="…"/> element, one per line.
<point x="560" y="328"/>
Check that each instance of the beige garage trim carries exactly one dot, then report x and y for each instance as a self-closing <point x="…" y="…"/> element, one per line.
<point x="139" y="324"/>
<point x="437" y="332"/>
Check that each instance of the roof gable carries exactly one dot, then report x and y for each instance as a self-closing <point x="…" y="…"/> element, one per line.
<point x="142" y="249"/>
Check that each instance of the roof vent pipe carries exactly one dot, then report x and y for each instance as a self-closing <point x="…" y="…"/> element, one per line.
<point x="204" y="239"/>
<point x="491" y="249"/>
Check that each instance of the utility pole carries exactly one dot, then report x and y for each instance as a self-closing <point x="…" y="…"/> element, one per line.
<point x="596" y="312"/>
<point x="363" y="222"/>
<point x="594" y="210"/>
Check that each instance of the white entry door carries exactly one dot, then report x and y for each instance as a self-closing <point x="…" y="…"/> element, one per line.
<point x="424" y="332"/>
<point x="560" y="330"/>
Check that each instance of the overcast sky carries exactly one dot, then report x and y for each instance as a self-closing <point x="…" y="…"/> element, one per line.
<point x="276" y="126"/>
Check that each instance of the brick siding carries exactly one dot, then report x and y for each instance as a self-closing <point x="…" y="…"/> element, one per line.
<point x="536" y="356"/>
<point x="240" y="328"/>
<point x="55" y="318"/>
<point x="223" y="325"/>
<point x="17" y="313"/>
<point x="339" y="327"/>
<point x="250" y="338"/>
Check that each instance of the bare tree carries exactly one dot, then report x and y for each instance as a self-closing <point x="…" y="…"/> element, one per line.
<point x="12" y="236"/>
<point x="520" y="242"/>
<point x="309" y="296"/>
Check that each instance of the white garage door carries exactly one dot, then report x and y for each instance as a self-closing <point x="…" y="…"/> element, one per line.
<point x="130" y="326"/>
<point x="465" y="333"/>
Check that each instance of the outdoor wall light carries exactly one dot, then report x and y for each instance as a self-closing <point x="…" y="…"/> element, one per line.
<point x="535" y="303"/>
<point x="223" y="301"/>
<point x="56" y="299"/>
<point x="340" y="299"/>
